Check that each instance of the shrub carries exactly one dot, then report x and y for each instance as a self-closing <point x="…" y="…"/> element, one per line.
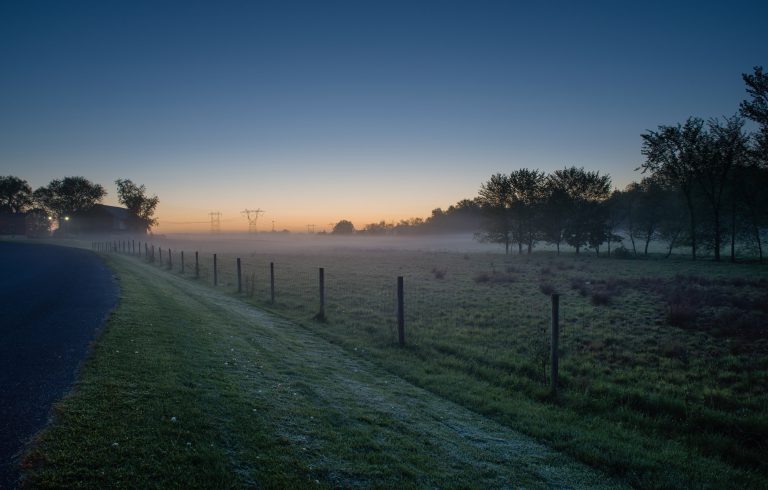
<point x="547" y="288"/>
<point x="681" y="315"/>
<point x="439" y="273"/>
<point x="601" y="298"/>
<point x="621" y="252"/>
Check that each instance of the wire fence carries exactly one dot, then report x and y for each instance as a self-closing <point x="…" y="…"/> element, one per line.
<point x="480" y="314"/>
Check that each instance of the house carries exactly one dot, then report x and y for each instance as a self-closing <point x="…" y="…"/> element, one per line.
<point x="13" y="223"/>
<point x="102" y="219"/>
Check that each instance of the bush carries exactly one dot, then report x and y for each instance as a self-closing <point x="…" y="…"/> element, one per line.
<point x="621" y="252"/>
<point x="601" y="299"/>
<point x="547" y="288"/>
<point x="681" y="315"/>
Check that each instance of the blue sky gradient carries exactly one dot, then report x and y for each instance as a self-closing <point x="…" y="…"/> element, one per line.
<point x="318" y="111"/>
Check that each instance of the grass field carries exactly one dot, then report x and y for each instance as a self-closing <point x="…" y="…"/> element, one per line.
<point x="188" y="387"/>
<point x="664" y="371"/>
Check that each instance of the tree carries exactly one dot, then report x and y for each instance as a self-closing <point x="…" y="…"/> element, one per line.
<point x="585" y="191"/>
<point x="15" y="194"/>
<point x="554" y="212"/>
<point x="671" y="153"/>
<point x="723" y="149"/>
<point x="756" y="109"/>
<point x="140" y="207"/>
<point x="527" y="188"/>
<point x="749" y="205"/>
<point x="495" y="199"/>
<point x="648" y="210"/>
<point x="65" y="197"/>
<point x="343" y="227"/>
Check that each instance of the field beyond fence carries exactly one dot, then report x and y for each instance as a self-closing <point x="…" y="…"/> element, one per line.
<point x="663" y="371"/>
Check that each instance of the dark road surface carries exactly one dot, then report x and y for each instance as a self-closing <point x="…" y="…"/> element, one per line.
<point x="53" y="300"/>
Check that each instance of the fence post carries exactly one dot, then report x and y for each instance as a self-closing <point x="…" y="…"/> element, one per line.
<point x="197" y="266"/>
<point x="160" y="255"/>
<point x="170" y="259"/>
<point x="400" y="311"/>
<point x="555" y="342"/>
<point x="153" y="254"/>
<point x="272" y="281"/>
<point x="239" y="277"/>
<point x="215" y="272"/>
<point x="146" y="250"/>
<point x="182" y="261"/>
<point x="321" y="277"/>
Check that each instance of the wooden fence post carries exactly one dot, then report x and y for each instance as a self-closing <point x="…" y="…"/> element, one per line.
<point x="272" y="281"/>
<point x="239" y="277"/>
<point x="146" y="250"/>
<point x="170" y="259"/>
<point x="215" y="272"/>
<point x="153" y="254"/>
<point x="133" y="247"/>
<point x="555" y="343"/>
<point x="400" y="311"/>
<point x="160" y="255"/>
<point x="182" y="261"/>
<point x="197" y="266"/>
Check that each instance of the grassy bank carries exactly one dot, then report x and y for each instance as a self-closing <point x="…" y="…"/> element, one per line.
<point x="664" y="368"/>
<point x="190" y="388"/>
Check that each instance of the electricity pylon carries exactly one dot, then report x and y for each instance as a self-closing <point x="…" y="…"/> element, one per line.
<point x="252" y="215"/>
<point x="215" y="221"/>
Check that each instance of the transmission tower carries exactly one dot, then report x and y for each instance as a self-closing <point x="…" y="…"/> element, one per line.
<point x="252" y="215"/>
<point x="215" y="221"/>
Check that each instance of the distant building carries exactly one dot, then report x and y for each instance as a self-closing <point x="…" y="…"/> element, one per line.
<point x="13" y="223"/>
<point x="102" y="219"/>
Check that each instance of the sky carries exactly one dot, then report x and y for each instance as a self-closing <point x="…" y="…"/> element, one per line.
<point x="362" y="110"/>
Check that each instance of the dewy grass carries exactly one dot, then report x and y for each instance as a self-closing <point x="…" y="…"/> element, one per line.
<point x="659" y="405"/>
<point x="189" y="388"/>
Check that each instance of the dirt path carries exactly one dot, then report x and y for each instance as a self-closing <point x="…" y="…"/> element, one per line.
<point x="290" y="372"/>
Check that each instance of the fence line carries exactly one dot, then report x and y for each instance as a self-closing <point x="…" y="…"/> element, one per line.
<point x="399" y="308"/>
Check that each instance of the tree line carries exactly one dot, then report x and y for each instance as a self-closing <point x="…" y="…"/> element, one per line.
<point x="705" y="186"/>
<point x="64" y="198"/>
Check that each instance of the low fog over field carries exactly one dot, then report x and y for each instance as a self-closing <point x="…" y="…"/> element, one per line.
<point x="299" y="242"/>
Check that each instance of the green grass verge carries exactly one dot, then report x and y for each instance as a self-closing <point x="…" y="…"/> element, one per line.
<point x="189" y="388"/>
<point x="664" y="367"/>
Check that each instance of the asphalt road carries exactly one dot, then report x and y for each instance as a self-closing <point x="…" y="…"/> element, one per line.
<point x="53" y="300"/>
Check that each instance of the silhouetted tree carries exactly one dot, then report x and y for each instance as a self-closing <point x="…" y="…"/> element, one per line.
<point x="749" y="205"/>
<point x="756" y="109"/>
<point x="140" y="207"/>
<point x="65" y="197"/>
<point x="554" y="212"/>
<point x="380" y="228"/>
<point x="527" y="187"/>
<point x="343" y="227"/>
<point x="671" y="154"/>
<point x="725" y="147"/>
<point x="616" y="217"/>
<point x="648" y="208"/>
<point x="15" y="194"/>
<point x="585" y="190"/>
<point x="495" y="199"/>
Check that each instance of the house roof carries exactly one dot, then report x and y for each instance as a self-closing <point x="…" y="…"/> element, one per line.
<point x="116" y="212"/>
